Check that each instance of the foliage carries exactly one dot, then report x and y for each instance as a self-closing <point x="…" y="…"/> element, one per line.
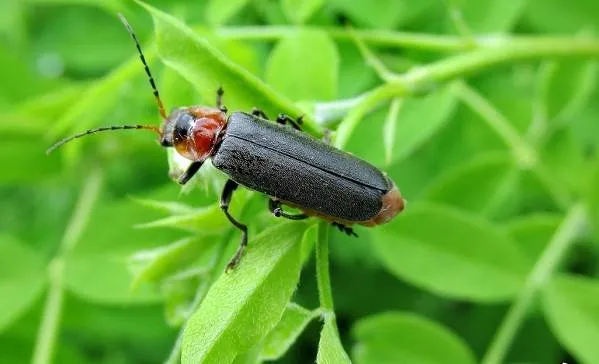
<point x="484" y="113"/>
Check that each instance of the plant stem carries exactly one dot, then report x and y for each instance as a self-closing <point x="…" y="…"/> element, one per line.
<point x="428" y="76"/>
<point x="383" y="38"/>
<point x="323" y="278"/>
<point x="420" y="41"/>
<point x="46" y="337"/>
<point x="537" y="278"/>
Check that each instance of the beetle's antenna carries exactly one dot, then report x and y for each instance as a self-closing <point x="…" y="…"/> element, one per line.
<point x="143" y="60"/>
<point x="105" y="128"/>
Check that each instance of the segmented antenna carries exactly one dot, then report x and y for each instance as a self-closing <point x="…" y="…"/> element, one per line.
<point x="105" y="128"/>
<point x="143" y="60"/>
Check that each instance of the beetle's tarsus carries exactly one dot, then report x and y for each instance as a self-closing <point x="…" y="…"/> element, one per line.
<point x="225" y="200"/>
<point x="345" y="229"/>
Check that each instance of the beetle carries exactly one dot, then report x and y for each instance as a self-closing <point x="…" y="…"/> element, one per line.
<point x="274" y="158"/>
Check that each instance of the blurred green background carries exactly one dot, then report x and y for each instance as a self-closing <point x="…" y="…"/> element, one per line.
<point x="500" y="170"/>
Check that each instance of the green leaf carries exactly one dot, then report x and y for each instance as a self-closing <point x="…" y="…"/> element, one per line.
<point x="384" y="14"/>
<point x="420" y="118"/>
<point x="22" y="279"/>
<point x="279" y="340"/>
<point x="563" y="157"/>
<point x="569" y="89"/>
<point x="571" y="306"/>
<point x="532" y="233"/>
<point x="154" y="264"/>
<point x="396" y="337"/>
<point x="477" y="185"/>
<point x="593" y="199"/>
<point x="330" y="349"/>
<point x="313" y="57"/>
<point x="219" y="12"/>
<point x="245" y="304"/>
<point x="489" y="16"/>
<point x="19" y="154"/>
<point x="452" y="253"/>
<point x="206" y="68"/>
<point x="97" y="269"/>
<point x="98" y="99"/>
<point x="300" y="10"/>
<point x="558" y="16"/>
<point x="204" y="220"/>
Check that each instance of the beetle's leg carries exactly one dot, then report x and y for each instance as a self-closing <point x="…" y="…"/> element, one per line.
<point x="275" y="207"/>
<point x="284" y="119"/>
<point x="219" y="99"/>
<point x="345" y="229"/>
<point x="259" y="113"/>
<point x="225" y="199"/>
<point x="190" y="172"/>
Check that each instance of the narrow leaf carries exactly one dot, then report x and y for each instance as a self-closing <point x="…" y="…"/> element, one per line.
<point x="452" y="253"/>
<point x="247" y="303"/>
<point x="330" y="349"/>
<point x="389" y="129"/>
<point x="279" y="340"/>
<point x="396" y="337"/>
<point x="571" y="306"/>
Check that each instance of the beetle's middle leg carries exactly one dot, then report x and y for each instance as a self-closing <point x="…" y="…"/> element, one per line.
<point x="345" y="229"/>
<point x="275" y="207"/>
<point x="259" y="113"/>
<point x="225" y="199"/>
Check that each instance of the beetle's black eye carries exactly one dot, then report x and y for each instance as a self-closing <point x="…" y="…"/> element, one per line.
<point x="182" y="127"/>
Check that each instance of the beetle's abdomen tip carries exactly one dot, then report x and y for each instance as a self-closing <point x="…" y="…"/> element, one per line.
<point x="393" y="204"/>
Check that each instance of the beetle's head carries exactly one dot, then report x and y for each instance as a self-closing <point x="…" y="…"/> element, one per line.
<point x="193" y="131"/>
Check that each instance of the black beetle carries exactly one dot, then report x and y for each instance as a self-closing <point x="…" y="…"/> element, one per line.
<point x="289" y="166"/>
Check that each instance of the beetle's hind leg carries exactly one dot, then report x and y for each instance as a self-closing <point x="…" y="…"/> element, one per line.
<point x="275" y="207"/>
<point x="219" y="99"/>
<point x="345" y="229"/>
<point x="225" y="199"/>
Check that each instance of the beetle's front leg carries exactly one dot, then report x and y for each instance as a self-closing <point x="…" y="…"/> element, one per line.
<point x="219" y="99"/>
<point x="193" y="168"/>
<point x="275" y="208"/>
<point x="225" y="199"/>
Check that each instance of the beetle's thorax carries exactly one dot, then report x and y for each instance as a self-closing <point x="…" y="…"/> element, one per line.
<point x="193" y="131"/>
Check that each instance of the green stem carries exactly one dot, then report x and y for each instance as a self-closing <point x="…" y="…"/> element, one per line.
<point x="462" y="65"/>
<point x="383" y="38"/>
<point x="323" y="278"/>
<point x="539" y="275"/>
<point x="46" y="337"/>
